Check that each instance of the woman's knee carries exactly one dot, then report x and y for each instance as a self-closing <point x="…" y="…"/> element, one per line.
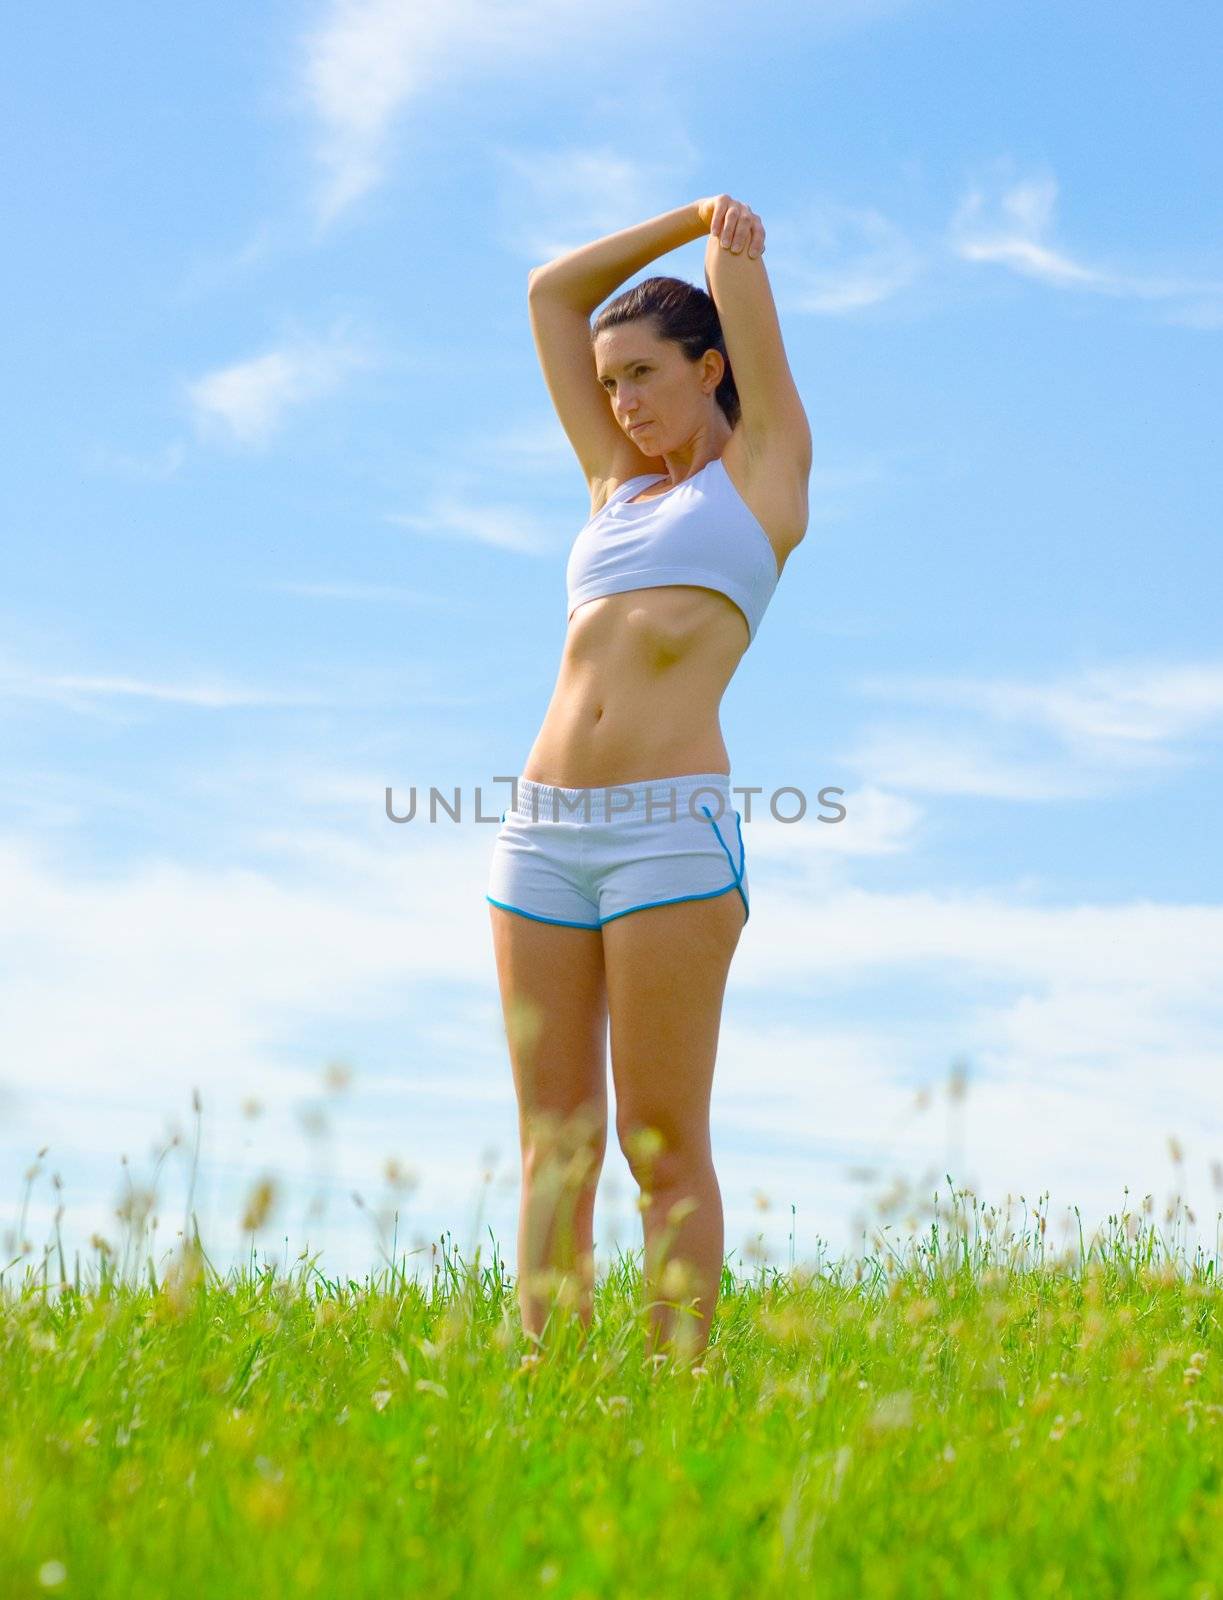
<point x="569" y="1144"/>
<point x="660" y="1155"/>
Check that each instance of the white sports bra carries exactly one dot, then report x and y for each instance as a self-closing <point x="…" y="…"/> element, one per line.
<point x="700" y="532"/>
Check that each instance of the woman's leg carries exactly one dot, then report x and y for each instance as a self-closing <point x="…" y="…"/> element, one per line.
<point x="554" y="1002"/>
<point x="666" y="969"/>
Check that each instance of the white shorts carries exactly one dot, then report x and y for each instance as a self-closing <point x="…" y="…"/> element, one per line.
<point x="582" y="857"/>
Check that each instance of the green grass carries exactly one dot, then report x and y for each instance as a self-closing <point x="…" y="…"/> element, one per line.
<point x="963" y="1416"/>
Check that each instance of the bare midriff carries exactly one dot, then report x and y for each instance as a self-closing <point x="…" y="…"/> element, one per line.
<point x="641" y="680"/>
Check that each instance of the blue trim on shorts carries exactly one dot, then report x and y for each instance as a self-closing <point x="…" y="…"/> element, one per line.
<point x="738" y="871"/>
<point x="679" y="900"/>
<point x="648" y="905"/>
<point x="558" y="921"/>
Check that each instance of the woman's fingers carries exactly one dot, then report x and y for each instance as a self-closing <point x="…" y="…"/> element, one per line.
<point x="725" y="215"/>
<point x="737" y="227"/>
<point x="741" y="230"/>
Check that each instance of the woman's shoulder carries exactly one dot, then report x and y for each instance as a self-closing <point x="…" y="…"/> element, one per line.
<point x="770" y="479"/>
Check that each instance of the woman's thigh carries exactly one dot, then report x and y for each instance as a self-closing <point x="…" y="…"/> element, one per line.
<point x="554" y="1002"/>
<point x="666" y="970"/>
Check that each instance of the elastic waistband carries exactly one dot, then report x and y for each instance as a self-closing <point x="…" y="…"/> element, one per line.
<point x="649" y="800"/>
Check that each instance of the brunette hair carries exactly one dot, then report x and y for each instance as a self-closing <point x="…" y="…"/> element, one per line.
<point x="680" y="312"/>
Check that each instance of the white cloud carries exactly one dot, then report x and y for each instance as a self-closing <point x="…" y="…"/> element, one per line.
<point x="1107" y="722"/>
<point x="78" y="692"/>
<point x="1011" y="229"/>
<point x="136" y="988"/>
<point x="505" y="527"/>
<point x="106" y="694"/>
<point x="369" y="60"/>
<point x="876" y="823"/>
<point x="1125" y="706"/>
<point x="152" y="468"/>
<point x="248" y="400"/>
<point x="553" y="200"/>
<point x="536" y="442"/>
<point x="931" y="762"/>
<point x="831" y="259"/>
<point x="206" y="276"/>
<point x="373" y="593"/>
<point x="1015" y="239"/>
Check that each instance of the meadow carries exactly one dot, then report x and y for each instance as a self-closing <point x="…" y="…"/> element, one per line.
<point x="962" y="1412"/>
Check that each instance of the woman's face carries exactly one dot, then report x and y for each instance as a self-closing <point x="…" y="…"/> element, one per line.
<point x="657" y="395"/>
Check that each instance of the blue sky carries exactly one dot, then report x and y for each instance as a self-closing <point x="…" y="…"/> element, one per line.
<point x="285" y="519"/>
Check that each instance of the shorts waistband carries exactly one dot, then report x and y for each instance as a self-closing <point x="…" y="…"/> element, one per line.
<point x="649" y="800"/>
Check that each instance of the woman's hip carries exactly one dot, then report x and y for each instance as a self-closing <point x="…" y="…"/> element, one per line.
<point x="582" y="855"/>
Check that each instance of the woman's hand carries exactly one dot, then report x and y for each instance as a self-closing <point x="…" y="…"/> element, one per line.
<point x="734" y="223"/>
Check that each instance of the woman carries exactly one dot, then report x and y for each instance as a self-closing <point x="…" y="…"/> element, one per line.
<point x="616" y="893"/>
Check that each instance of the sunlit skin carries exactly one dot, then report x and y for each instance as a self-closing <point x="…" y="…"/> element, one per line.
<point x="650" y="381"/>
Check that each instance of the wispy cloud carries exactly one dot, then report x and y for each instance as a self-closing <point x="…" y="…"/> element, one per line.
<point x="1124" y="704"/>
<point x="372" y="594"/>
<point x="369" y="60"/>
<point x="830" y="259"/>
<point x="507" y="527"/>
<point x="153" y="467"/>
<point x="1014" y="238"/>
<point x="1106" y="721"/>
<point x="248" y="400"/>
<point x="1008" y="224"/>
<point x="178" y="973"/>
<point x="553" y="200"/>
<point x="876" y="823"/>
<point x="99" y="694"/>
<point x="537" y="443"/>
<point x="78" y="691"/>
<point x="205" y="276"/>
<point x="924" y="761"/>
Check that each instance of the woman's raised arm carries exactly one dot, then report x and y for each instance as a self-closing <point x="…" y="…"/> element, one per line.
<point x="585" y="277"/>
<point x="561" y="297"/>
